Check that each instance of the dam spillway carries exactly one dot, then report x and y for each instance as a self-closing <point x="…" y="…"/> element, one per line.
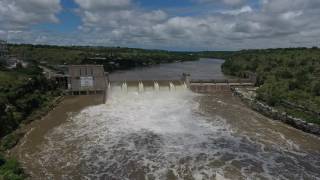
<point x="224" y="86"/>
<point x="147" y="86"/>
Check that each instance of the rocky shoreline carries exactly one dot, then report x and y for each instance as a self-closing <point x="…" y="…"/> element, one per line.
<point x="248" y="97"/>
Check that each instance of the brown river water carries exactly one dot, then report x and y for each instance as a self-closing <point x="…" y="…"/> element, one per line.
<point x="162" y="134"/>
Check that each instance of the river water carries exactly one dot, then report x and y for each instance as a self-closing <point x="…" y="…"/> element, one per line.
<point x="203" y="69"/>
<point x="165" y="134"/>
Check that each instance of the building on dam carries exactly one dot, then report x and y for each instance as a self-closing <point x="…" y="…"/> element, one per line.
<point x="83" y="79"/>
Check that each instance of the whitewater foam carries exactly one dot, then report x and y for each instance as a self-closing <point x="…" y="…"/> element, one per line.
<point x="156" y="135"/>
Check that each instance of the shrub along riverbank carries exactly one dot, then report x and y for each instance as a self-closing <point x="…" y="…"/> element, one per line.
<point x="24" y="94"/>
<point x="10" y="169"/>
<point x="289" y="79"/>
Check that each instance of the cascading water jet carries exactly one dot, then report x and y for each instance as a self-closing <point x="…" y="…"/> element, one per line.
<point x="171" y="86"/>
<point x="141" y="87"/>
<point x="124" y="87"/>
<point x="156" y="86"/>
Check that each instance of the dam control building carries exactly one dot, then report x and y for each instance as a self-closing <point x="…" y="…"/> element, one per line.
<point x="88" y="78"/>
<point x="83" y="79"/>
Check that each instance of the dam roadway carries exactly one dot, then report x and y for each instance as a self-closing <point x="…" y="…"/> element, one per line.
<point x="163" y="134"/>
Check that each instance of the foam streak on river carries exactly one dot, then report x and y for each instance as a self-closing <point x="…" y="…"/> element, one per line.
<point x="167" y="135"/>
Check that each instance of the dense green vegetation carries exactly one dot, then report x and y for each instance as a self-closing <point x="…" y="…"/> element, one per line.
<point x="22" y="92"/>
<point x="10" y="169"/>
<point x="111" y="58"/>
<point x="215" y="54"/>
<point x="289" y="79"/>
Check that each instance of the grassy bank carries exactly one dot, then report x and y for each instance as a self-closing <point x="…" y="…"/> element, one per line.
<point x="289" y="79"/>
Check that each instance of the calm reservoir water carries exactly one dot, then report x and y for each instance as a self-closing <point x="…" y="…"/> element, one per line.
<point x="203" y="69"/>
<point x="165" y="135"/>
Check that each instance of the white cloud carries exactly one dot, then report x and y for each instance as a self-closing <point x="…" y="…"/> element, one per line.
<point x="233" y="2"/>
<point x="226" y="2"/>
<point x="18" y="14"/>
<point x="280" y="6"/>
<point x="103" y="4"/>
<point x="244" y="9"/>
<point x="125" y="17"/>
<point x="274" y="23"/>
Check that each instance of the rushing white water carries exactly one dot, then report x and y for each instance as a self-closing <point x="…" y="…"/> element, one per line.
<point x="141" y="87"/>
<point x="161" y="135"/>
<point x="148" y="133"/>
<point x="156" y="86"/>
<point x="172" y="86"/>
<point x="124" y="87"/>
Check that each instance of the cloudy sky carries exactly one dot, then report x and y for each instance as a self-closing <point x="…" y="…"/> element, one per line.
<point x="163" y="24"/>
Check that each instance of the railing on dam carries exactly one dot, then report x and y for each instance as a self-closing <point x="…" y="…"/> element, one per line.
<point x="218" y="85"/>
<point x="223" y="81"/>
<point x="199" y="86"/>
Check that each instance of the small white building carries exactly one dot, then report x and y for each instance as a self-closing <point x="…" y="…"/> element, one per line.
<point x="12" y="62"/>
<point x="83" y="79"/>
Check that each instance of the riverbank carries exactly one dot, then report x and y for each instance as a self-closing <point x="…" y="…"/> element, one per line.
<point x="248" y="95"/>
<point x="12" y="139"/>
<point x="35" y="132"/>
<point x="288" y="79"/>
<point x="10" y="168"/>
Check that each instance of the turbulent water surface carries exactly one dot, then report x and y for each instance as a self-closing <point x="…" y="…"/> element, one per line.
<point x="170" y="135"/>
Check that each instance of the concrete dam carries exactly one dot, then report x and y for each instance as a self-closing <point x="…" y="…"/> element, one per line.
<point x="197" y="86"/>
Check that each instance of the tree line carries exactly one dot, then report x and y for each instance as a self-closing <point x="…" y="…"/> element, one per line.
<point x="22" y="92"/>
<point x="113" y="58"/>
